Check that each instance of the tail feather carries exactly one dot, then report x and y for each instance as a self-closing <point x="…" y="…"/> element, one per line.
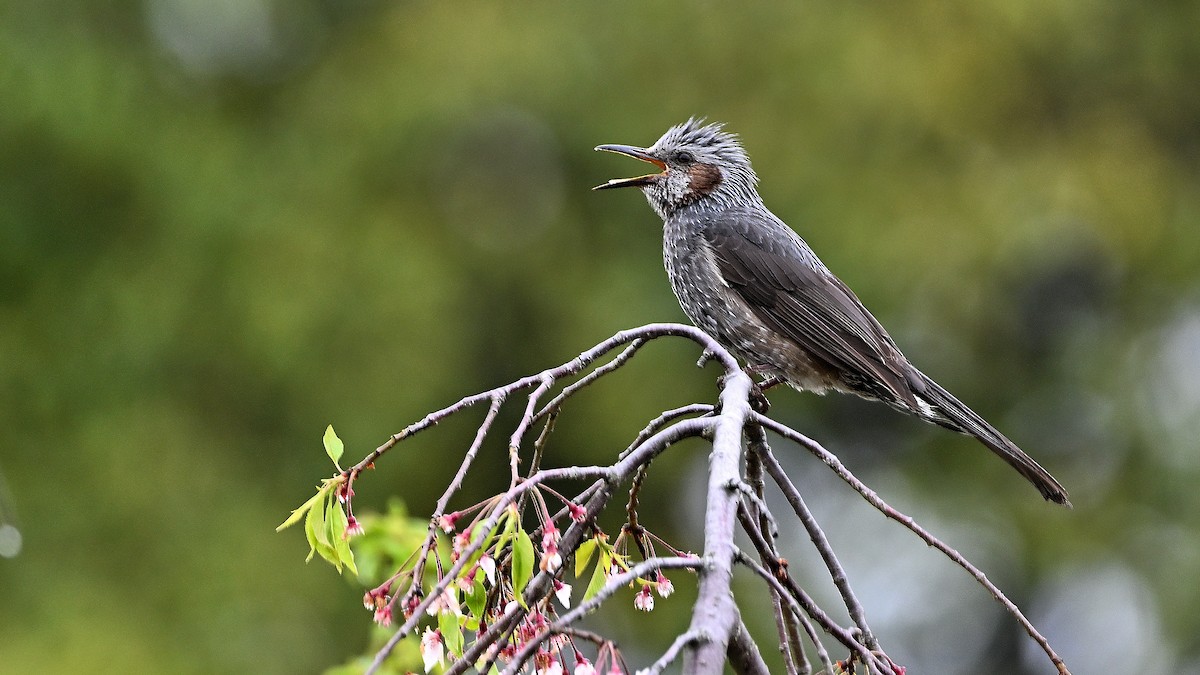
<point x="949" y="412"/>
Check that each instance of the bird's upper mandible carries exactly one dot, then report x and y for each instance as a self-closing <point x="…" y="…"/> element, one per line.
<point x="698" y="162"/>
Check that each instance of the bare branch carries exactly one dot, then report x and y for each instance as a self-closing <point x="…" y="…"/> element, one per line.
<point x="572" y="367"/>
<point x="834" y="463"/>
<point x="792" y="594"/>
<point x="799" y="603"/>
<point x="672" y="653"/>
<point x="456" y="483"/>
<point x="744" y="656"/>
<point x="790" y="646"/>
<point x="668" y="416"/>
<point x="819" y="540"/>
<point x="716" y="634"/>
<point x="714" y="614"/>
<point x="621" y="359"/>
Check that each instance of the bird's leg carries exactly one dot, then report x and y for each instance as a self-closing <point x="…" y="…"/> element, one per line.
<point x="758" y="400"/>
<point x="758" y="397"/>
<point x="770" y="382"/>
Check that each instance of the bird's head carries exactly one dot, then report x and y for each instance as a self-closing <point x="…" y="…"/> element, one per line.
<point x="699" y="164"/>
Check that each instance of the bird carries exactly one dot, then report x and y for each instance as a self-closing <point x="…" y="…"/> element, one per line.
<point x="751" y="282"/>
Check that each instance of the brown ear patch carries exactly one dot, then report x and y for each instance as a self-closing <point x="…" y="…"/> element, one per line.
<point x="703" y="178"/>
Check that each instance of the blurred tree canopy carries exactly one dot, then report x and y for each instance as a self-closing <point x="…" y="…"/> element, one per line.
<point x="224" y="225"/>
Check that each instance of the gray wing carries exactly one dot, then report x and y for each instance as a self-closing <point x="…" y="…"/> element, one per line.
<point x="804" y="302"/>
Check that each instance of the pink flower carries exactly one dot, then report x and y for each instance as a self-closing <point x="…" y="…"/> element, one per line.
<point x="377" y="597"/>
<point x="448" y="521"/>
<point x="383" y="614"/>
<point x="353" y="528"/>
<point x="467" y="581"/>
<point x="563" y="593"/>
<point x="545" y="663"/>
<point x="432" y="649"/>
<point x="551" y="559"/>
<point x="488" y="565"/>
<point x="644" y="600"/>
<point x="410" y="606"/>
<point x="583" y="666"/>
<point x="461" y="541"/>
<point x="345" y="492"/>
<point x="446" y="603"/>
<point x="664" y="586"/>
<point x="578" y="513"/>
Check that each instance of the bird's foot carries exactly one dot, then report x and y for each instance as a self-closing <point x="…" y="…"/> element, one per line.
<point x="758" y="400"/>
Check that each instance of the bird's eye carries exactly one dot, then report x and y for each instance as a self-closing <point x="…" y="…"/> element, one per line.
<point x="684" y="157"/>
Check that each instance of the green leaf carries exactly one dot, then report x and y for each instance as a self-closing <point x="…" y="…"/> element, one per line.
<point x="510" y="520"/>
<point x="333" y="445"/>
<point x="337" y="534"/>
<point x="522" y="564"/>
<point x="599" y="576"/>
<point x="303" y="509"/>
<point x="314" y="523"/>
<point x="583" y="556"/>
<point x="317" y="531"/>
<point x="451" y="632"/>
<point x="326" y="538"/>
<point x="477" y="596"/>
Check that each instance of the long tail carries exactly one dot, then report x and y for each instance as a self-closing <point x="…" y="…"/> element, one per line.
<point x="949" y="412"/>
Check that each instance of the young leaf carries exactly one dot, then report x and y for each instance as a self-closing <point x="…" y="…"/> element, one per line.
<point x="511" y="519"/>
<point x="337" y="534"/>
<point x="583" y="555"/>
<point x="451" y="632"/>
<point x="599" y="575"/>
<point x="477" y="597"/>
<point x="333" y="445"/>
<point x="302" y="510"/>
<point x="522" y="564"/>
<point x="314" y="523"/>
<point x="326" y="538"/>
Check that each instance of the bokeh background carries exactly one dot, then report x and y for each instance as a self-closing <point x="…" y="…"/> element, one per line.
<point x="226" y="224"/>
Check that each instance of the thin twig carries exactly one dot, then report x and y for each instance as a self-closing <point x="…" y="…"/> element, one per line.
<point x="621" y="359"/>
<point x="613" y="474"/>
<point x="572" y="367"/>
<point x="539" y="446"/>
<point x="800" y="604"/>
<point x="666" y="417"/>
<point x="789" y="638"/>
<point x="875" y="500"/>
<point x="672" y="653"/>
<point x="614" y="584"/>
<point x="817" y="535"/>
<point x="795" y="596"/>
<point x="758" y="507"/>
<point x="514" y="443"/>
<point x="456" y="484"/>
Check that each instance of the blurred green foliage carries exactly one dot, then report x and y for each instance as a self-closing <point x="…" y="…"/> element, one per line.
<point x="224" y="225"/>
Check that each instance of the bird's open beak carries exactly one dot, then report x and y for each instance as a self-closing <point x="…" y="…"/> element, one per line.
<point x="636" y="153"/>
